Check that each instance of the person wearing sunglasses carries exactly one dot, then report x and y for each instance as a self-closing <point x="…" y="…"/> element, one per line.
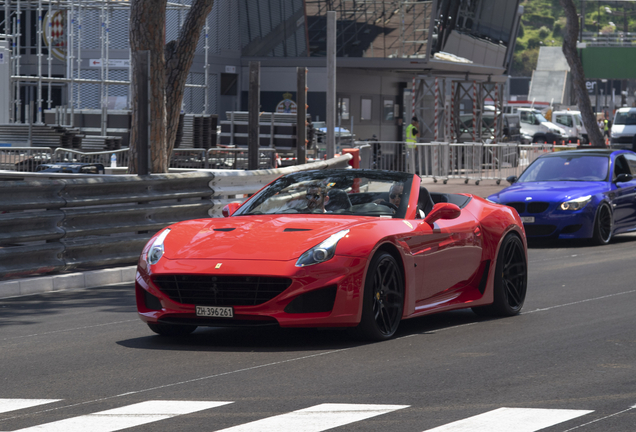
<point x="316" y="198"/>
<point x="395" y="194"/>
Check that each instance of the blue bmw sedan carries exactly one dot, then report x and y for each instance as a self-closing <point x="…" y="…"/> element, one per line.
<point x="575" y="194"/>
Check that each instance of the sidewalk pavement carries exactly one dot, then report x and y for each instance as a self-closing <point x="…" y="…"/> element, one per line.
<point x="117" y="275"/>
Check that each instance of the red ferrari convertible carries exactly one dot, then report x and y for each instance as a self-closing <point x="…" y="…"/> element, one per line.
<point x="362" y="249"/>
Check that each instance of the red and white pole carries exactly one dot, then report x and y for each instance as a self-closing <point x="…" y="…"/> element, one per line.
<point x="436" y="134"/>
<point x="496" y="113"/>
<point x="475" y="125"/>
<point x="413" y="99"/>
<point x="452" y="112"/>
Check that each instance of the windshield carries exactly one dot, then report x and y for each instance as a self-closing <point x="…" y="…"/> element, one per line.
<point x="625" y="118"/>
<point x="567" y="168"/>
<point x="540" y="117"/>
<point x="337" y="192"/>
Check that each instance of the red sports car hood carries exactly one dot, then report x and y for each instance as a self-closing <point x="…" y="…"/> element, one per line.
<point x="278" y="238"/>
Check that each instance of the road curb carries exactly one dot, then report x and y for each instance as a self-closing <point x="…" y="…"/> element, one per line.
<point x="87" y="279"/>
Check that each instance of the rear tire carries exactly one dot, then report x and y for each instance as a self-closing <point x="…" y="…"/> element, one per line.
<point x="383" y="301"/>
<point x="172" y="330"/>
<point x="603" y="225"/>
<point x="511" y="280"/>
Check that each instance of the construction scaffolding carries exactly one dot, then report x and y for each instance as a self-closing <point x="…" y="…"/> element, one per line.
<point x="371" y="28"/>
<point x="67" y="53"/>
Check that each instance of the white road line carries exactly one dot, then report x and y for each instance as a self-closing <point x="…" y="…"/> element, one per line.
<point x="317" y="418"/>
<point x="579" y="302"/>
<point x="125" y="417"/>
<point x="7" y="405"/>
<point x="512" y="419"/>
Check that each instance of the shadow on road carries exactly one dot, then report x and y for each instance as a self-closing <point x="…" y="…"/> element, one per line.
<point x="580" y="243"/>
<point x="35" y="309"/>
<point x="275" y="339"/>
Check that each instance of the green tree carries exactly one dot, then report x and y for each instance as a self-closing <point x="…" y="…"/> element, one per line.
<point x="570" y="36"/>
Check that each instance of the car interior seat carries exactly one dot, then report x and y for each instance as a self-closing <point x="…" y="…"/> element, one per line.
<point x="338" y="200"/>
<point x="425" y="202"/>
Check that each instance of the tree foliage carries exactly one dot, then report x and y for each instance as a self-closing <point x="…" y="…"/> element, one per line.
<point x="169" y="67"/>
<point x="570" y="36"/>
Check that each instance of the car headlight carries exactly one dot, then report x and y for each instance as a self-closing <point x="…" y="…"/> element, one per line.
<point x="576" y="204"/>
<point x="322" y="252"/>
<point x="615" y="134"/>
<point x="156" y="250"/>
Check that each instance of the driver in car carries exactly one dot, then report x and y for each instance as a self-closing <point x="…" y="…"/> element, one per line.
<point x="316" y="198"/>
<point x="395" y="195"/>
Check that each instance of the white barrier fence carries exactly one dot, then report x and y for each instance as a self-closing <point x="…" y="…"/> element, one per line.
<point x="444" y="161"/>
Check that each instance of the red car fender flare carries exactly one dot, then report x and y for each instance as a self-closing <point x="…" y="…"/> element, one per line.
<point x="512" y="228"/>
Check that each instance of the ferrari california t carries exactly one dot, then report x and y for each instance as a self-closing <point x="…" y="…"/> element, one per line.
<point x="361" y="249"/>
<point x="588" y="194"/>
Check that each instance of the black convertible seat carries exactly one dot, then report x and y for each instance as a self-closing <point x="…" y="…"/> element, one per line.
<point x="338" y="200"/>
<point x="459" y="200"/>
<point x="425" y="202"/>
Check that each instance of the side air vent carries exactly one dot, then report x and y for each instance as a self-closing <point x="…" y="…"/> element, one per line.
<point x="296" y="229"/>
<point x="224" y="229"/>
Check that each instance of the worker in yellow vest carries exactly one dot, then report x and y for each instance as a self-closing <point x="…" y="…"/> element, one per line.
<point x="412" y="134"/>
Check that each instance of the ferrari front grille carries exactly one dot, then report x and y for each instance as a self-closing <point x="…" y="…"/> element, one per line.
<point x="205" y="290"/>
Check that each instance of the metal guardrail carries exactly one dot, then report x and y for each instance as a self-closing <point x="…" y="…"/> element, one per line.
<point x="443" y="161"/>
<point x="51" y="222"/>
<point x="26" y="159"/>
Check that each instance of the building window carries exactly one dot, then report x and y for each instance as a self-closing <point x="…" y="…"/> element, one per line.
<point x="365" y="109"/>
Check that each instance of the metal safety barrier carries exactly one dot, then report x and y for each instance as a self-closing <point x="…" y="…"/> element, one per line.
<point x="27" y="159"/>
<point x="53" y="222"/>
<point x="444" y="161"/>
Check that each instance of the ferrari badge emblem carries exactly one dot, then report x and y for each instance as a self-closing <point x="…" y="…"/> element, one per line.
<point x="218" y="266"/>
<point x="408" y="224"/>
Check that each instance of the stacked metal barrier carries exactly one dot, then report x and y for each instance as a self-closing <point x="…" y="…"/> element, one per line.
<point x="27" y="159"/>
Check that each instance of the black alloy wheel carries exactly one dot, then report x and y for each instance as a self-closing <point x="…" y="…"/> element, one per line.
<point x="603" y="225"/>
<point x="511" y="279"/>
<point x="383" y="301"/>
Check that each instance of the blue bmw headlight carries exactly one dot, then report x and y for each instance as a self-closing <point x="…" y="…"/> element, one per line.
<point x="156" y="250"/>
<point x="576" y="204"/>
<point x="322" y="252"/>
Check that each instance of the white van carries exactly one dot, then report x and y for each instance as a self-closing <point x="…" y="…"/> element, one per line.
<point x="623" y="128"/>
<point x="538" y="129"/>
<point x="572" y="123"/>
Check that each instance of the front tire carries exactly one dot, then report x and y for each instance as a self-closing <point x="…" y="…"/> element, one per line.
<point x="603" y="225"/>
<point x="511" y="280"/>
<point x="172" y="330"/>
<point x="383" y="301"/>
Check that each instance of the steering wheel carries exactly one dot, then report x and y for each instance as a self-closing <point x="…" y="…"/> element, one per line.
<point x="389" y="205"/>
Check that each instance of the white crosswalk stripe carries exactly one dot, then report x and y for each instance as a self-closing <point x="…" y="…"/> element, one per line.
<point x="511" y="419"/>
<point x="317" y="418"/>
<point x="125" y="417"/>
<point x="7" y="405"/>
<point x="313" y="419"/>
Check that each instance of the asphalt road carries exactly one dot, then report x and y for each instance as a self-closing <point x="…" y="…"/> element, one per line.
<point x="82" y="361"/>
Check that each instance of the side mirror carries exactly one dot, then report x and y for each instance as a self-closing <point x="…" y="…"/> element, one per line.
<point x="442" y="211"/>
<point x="230" y="208"/>
<point x="623" y="178"/>
<point x="512" y="179"/>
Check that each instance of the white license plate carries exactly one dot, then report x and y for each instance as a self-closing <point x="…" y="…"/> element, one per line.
<point x="215" y="311"/>
<point x="527" y="219"/>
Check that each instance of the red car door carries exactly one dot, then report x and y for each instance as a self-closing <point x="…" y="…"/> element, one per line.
<point x="447" y="254"/>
